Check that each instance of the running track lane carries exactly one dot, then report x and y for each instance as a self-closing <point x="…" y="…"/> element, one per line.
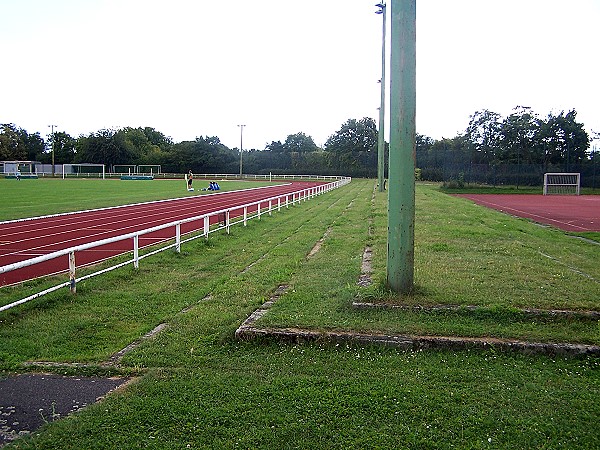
<point x="578" y="213"/>
<point x="25" y="239"/>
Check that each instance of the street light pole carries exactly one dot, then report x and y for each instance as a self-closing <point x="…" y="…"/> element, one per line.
<point x="401" y="184"/>
<point x="52" y="132"/>
<point x="241" y="146"/>
<point x="381" y="133"/>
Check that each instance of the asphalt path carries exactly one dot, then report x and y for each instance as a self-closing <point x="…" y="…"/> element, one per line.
<point x="29" y="401"/>
<point x="25" y="239"/>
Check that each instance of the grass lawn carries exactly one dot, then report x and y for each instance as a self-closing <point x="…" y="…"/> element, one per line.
<point x="38" y="197"/>
<point x="200" y="388"/>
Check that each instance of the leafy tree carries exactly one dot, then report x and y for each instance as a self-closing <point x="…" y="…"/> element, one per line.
<point x="275" y="147"/>
<point x="300" y="143"/>
<point x="204" y="155"/>
<point x="12" y="146"/>
<point x="518" y="136"/>
<point x="101" y="148"/>
<point x="423" y="150"/>
<point x="157" y="138"/>
<point x="562" y="139"/>
<point x="64" y="148"/>
<point x="34" y="145"/>
<point x="484" y="134"/>
<point x="352" y="149"/>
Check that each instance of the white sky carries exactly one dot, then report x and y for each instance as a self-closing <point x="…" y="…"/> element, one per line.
<point x="199" y="68"/>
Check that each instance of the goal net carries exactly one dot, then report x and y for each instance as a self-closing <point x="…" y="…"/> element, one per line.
<point x="124" y="168"/>
<point x="562" y="183"/>
<point x="84" y="170"/>
<point x="151" y="169"/>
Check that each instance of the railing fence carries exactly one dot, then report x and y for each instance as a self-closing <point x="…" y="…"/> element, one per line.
<point x="221" y="219"/>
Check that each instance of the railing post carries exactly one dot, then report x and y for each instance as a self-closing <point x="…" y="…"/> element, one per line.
<point x="136" y="252"/>
<point x="206" y="225"/>
<point x="227" y="220"/>
<point x="258" y="210"/>
<point x="72" y="285"/>
<point x="245" y="215"/>
<point x="178" y="238"/>
<point x="278" y="204"/>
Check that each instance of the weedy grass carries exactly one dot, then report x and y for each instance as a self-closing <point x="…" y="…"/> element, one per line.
<point x="200" y="388"/>
<point x="465" y="255"/>
<point x="271" y="396"/>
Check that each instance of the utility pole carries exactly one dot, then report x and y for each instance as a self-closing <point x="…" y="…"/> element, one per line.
<point x="52" y="132"/>
<point x="241" y="146"/>
<point x="381" y="132"/>
<point x="401" y="185"/>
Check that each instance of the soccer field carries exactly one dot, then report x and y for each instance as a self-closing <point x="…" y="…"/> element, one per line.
<point x="43" y="196"/>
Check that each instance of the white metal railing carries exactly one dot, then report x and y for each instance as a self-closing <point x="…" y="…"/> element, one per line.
<point x="224" y="221"/>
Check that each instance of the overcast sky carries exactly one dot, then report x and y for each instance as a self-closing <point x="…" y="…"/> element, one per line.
<point x="199" y="68"/>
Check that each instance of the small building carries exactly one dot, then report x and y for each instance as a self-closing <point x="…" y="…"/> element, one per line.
<point x="25" y="168"/>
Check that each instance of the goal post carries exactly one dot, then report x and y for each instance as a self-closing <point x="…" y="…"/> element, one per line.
<point x="564" y="183"/>
<point x="76" y="170"/>
<point x="152" y="169"/>
<point x="124" y="168"/>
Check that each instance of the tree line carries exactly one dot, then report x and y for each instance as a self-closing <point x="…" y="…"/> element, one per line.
<point x="352" y="150"/>
<point x="517" y="149"/>
<point x="522" y="144"/>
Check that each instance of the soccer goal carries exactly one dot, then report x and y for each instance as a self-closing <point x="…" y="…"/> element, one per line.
<point x="562" y="183"/>
<point x="124" y="168"/>
<point x="151" y="169"/>
<point x="84" y="170"/>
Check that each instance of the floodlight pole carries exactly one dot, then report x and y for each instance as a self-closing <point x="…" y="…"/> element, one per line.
<point x="241" y="146"/>
<point x="381" y="132"/>
<point x="401" y="191"/>
<point x="52" y="132"/>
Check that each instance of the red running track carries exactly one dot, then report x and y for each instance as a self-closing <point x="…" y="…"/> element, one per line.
<point x="24" y="239"/>
<point x="579" y="213"/>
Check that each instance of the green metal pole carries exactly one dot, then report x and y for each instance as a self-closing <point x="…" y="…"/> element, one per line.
<point x="401" y="185"/>
<point x="381" y="133"/>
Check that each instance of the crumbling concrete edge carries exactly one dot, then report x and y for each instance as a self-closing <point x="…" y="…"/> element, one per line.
<point x="532" y="311"/>
<point x="248" y="331"/>
<point x="412" y="342"/>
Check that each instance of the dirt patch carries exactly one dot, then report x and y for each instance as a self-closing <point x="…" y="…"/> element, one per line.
<point x="366" y="269"/>
<point x="318" y="245"/>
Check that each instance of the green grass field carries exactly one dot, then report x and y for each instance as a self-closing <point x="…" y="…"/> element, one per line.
<point x="38" y="197"/>
<point x="200" y="388"/>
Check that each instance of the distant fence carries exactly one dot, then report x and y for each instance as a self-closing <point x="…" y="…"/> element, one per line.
<point x="45" y="170"/>
<point x="508" y="174"/>
<point x="222" y="219"/>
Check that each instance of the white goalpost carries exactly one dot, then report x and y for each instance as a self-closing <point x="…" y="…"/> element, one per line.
<point x="124" y="168"/>
<point x="75" y="169"/>
<point x="562" y="183"/>
<point x="152" y="169"/>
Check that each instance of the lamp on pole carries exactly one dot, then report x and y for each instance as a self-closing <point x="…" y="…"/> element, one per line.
<point x="52" y="132"/>
<point x="241" y="146"/>
<point x="381" y="133"/>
